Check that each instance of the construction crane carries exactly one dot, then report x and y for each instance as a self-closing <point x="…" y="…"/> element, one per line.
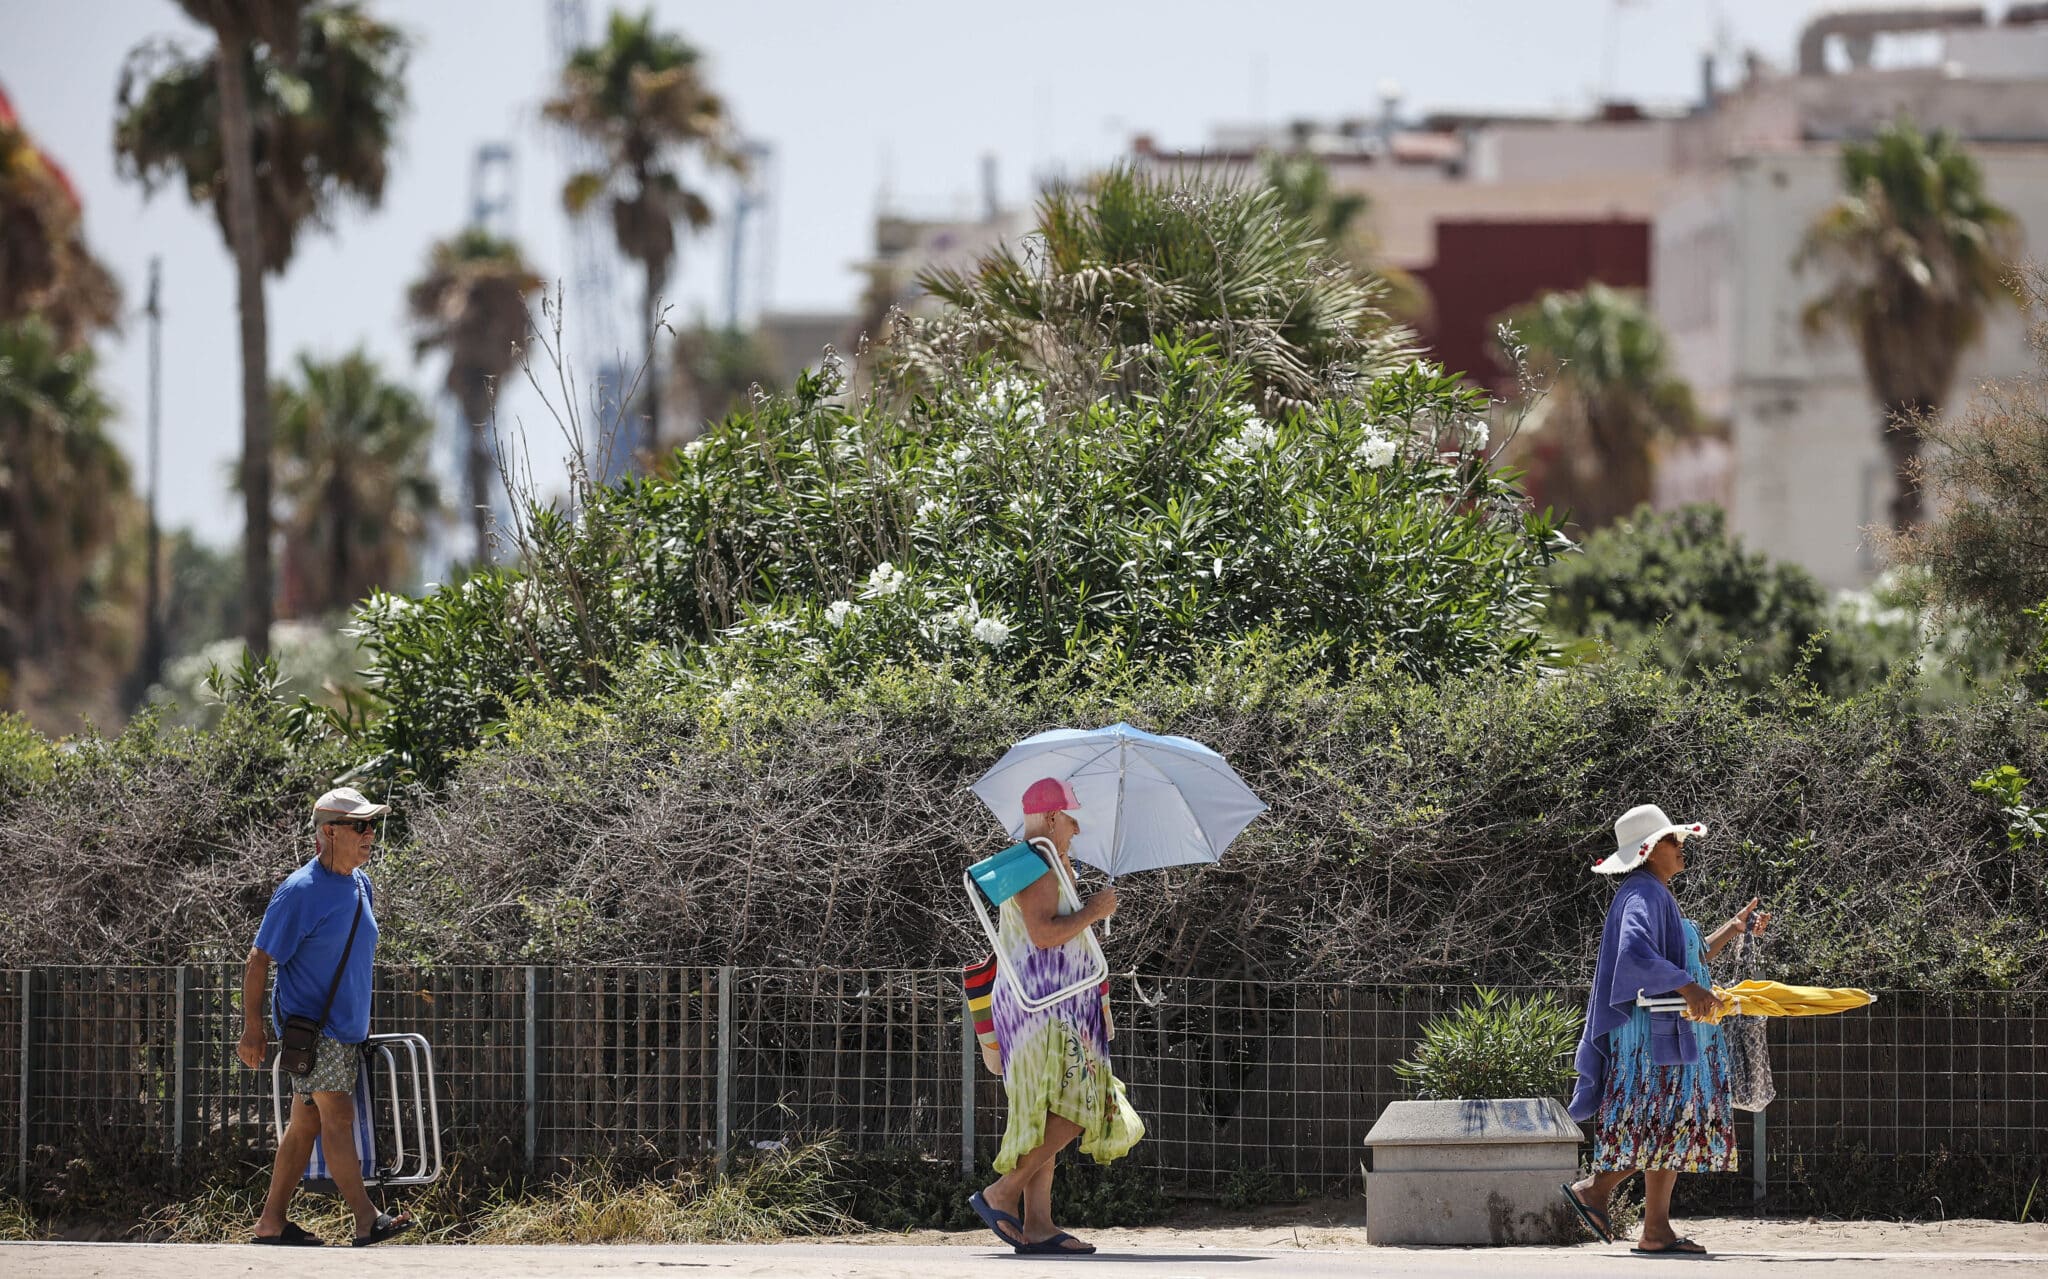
<point x="754" y="197"/>
<point x="591" y="326"/>
<point x="492" y="182"/>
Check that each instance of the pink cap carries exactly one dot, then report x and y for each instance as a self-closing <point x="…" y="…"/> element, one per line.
<point x="1049" y="795"/>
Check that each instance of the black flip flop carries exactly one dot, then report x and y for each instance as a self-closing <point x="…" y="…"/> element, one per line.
<point x="1586" y="1211"/>
<point x="384" y="1228"/>
<point x="293" y="1235"/>
<point x="1056" y="1246"/>
<point x="1679" y="1247"/>
<point x="995" y="1219"/>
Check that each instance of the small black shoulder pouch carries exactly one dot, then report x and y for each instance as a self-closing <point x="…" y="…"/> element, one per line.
<point x="301" y="1034"/>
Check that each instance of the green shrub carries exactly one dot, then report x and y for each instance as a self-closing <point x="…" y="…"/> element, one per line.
<point x="162" y="843"/>
<point x="1493" y="1048"/>
<point x="1983" y="550"/>
<point x="26" y="757"/>
<point x="1418" y="833"/>
<point x="1677" y="586"/>
<point x="2005" y="787"/>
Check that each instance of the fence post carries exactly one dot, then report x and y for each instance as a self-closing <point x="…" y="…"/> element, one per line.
<point x="724" y="1134"/>
<point x="178" y="1016"/>
<point x="28" y="1003"/>
<point x="1760" y="1177"/>
<point x="532" y="1088"/>
<point x="968" y="1053"/>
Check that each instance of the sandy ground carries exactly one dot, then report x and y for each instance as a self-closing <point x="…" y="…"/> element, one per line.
<point x="1297" y="1245"/>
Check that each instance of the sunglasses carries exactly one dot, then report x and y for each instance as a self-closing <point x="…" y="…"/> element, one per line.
<point x="361" y="826"/>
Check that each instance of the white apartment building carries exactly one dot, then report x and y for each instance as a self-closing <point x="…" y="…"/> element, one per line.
<point x="1727" y="188"/>
<point x="1808" y="473"/>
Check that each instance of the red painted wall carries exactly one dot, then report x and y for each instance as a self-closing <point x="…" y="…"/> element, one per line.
<point x="1485" y="268"/>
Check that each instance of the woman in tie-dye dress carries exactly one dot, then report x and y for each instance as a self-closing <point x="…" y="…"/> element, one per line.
<point x="1055" y="1062"/>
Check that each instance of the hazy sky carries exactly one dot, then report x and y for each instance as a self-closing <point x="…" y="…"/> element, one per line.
<point x="902" y="96"/>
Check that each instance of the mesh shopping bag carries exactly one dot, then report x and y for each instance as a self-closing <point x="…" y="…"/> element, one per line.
<point x="1743" y="1040"/>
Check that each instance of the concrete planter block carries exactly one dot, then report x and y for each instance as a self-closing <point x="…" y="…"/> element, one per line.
<point x="1472" y="1173"/>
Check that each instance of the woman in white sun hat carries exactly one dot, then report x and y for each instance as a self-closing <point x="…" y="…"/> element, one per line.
<point x="1655" y="1084"/>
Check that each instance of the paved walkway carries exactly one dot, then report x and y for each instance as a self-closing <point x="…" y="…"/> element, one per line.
<point x="898" y="1261"/>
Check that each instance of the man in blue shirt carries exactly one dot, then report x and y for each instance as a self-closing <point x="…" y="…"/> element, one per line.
<point x="320" y="923"/>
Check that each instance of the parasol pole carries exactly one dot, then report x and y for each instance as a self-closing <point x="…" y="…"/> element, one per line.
<point x="1116" y="826"/>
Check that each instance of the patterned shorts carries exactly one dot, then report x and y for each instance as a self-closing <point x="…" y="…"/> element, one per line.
<point x="334" y="1069"/>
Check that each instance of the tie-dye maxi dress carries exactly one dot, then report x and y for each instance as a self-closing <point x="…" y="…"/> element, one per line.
<point x="1056" y="1060"/>
<point x="1667" y="1118"/>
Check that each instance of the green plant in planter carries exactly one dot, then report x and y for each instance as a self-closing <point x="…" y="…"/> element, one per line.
<point x="1496" y="1047"/>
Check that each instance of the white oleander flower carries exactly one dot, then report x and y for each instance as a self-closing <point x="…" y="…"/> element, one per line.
<point x="1002" y="394"/>
<point x="992" y="631"/>
<point x="839" y="612"/>
<point x="1254" y="437"/>
<point x="1025" y="504"/>
<point x="694" y="447"/>
<point x="964" y="454"/>
<point x="1475" y="433"/>
<point x="933" y="508"/>
<point x="887" y="579"/>
<point x="1375" y="450"/>
<point x="1013" y="397"/>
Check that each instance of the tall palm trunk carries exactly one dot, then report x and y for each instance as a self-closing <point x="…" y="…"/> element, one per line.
<point x="1625" y="480"/>
<point x="237" y="135"/>
<point x="478" y="461"/>
<point x="341" y="519"/>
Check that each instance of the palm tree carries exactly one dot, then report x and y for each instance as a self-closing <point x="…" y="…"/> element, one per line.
<point x="1133" y="257"/>
<point x="1916" y="254"/>
<point x="293" y="110"/>
<point x="640" y="97"/>
<point x="1609" y="362"/>
<point x="354" y="472"/>
<point x="471" y="303"/>
<point x="1344" y="220"/>
<point x="64" y="503"/>
<point x="45" y="267"/>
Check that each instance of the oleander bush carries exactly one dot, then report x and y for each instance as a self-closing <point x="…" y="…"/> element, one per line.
<point x="824" y="536"/>
<point x="1495" y="1046"/>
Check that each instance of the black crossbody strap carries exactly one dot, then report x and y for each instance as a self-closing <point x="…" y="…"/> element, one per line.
<point x="339" y="968"/>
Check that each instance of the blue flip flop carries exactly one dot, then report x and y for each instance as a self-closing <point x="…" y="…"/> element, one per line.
<point x="1587" y="1212"/>
<point x="995" y="1219"/>
<point x="1057" y="1246"/>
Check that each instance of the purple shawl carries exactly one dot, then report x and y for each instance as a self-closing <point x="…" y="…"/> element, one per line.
<point x="1642" y="948"/>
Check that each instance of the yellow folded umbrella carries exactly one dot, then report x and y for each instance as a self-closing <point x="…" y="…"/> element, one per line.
<point x="1778" y="999"/>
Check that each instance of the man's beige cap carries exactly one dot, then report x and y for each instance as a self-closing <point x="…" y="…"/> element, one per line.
<point x="345" y="803"/>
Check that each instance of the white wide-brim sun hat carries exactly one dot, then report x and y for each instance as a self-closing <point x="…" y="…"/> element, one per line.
<point x="1637" y="833"/>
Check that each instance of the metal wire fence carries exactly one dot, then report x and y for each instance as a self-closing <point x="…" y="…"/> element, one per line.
<point x="133" y="1071"/>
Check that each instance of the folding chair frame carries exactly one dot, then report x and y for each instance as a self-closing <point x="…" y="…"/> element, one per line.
<point x="420" y="1163"/>
<point x="1071" y="899"/>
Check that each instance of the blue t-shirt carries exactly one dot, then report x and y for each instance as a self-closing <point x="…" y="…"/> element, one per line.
<point x="303" y="932"/>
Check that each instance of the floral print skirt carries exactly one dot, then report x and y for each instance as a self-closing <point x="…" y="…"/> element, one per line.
<point x="1664" y="1118"/>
